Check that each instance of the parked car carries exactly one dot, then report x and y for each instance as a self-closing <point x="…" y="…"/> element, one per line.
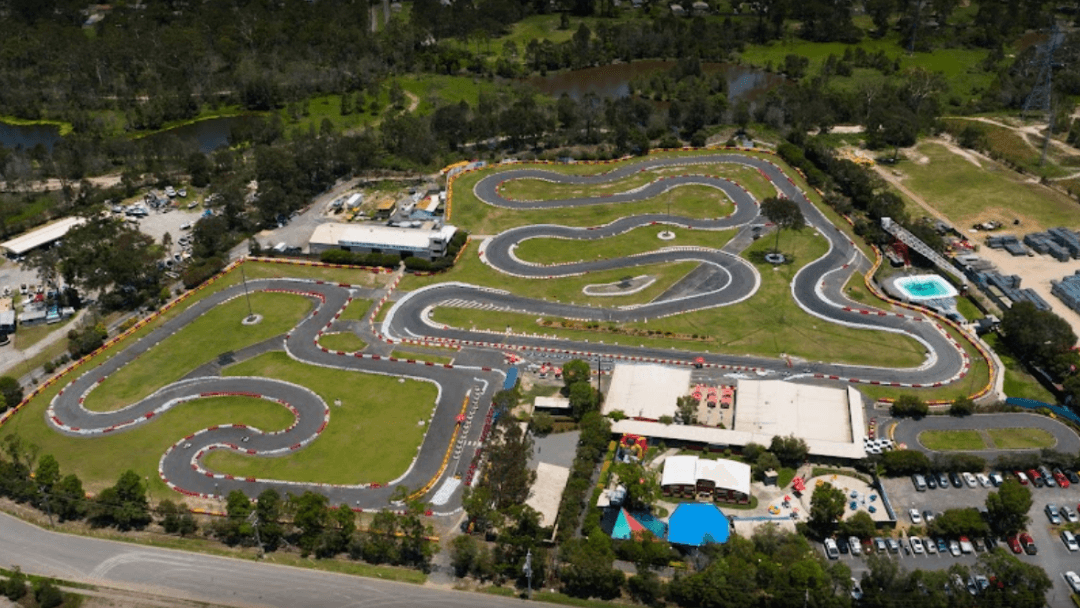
<point x="855" y="545"/>
<point x="1072" y="476"/>
<point x="831" y="549"/>
<point x="916" y="518"/>
<point x="982" y="582"/>
<point x="931" y="482"/>
<point x="1052" y="514"/>
<point x="972" y="586"/>
<point x="997" y="479"/>
<point x="1061" y="480"/>
<point x="977" y="543"/>
<point x="954" y="548"/>
<point x="1068" y="514"/>
<point x="1073" y="580"/>
<point x="991" y="544"/>
<point x="942" y="546"/>
<point x="843" y="547"/>
<point x="1028" y="544"/>
<point x="917" y="545"/>
<point x="919" y="482"/>
<point x="894" y="545"/>
<point x="879" y="545"/>
<point x="1070" y="540"/>
<point x="965" y="545"/>
<point x="1036" y="479"/>
<point x="943" y="480"/>
<point x="928" y="516"/>
<point x="931" y="546"/>
<point x="954" y="477"/>
<point x="856" y="589"/>
<point x="1021" y="477"/>
<point x="1014" y="544"/>
<point x="970" y="480"/>
<point x="984" y="481"/>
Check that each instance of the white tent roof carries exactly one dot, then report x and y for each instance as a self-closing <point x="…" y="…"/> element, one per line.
<point x="727" y="474"/>
<point x="646" y="391"/>
<point x="679" y="470"/>
<point x="42" y="236"/>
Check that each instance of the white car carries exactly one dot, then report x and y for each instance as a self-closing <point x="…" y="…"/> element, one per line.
<point x="856" y="588"/>
<point x="917" y="545"/>
<point x="969" y="479"/>
<point x="931" y="547"/>
<point x="1068" y="514"/>
<point x="855" y="545"/>
<point x="831" y="549"/>
<point x="1070" y="540"/>
<point x="954" y="548"/>
<point x="1073" y="580"/>
<point x="916" y="517"/>
<point x="984" y="481"/>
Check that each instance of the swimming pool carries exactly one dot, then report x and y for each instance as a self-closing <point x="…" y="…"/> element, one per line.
<point x="925" y="287"/>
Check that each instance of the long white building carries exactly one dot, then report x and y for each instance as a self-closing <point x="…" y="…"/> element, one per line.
<point x="427" y="243"/>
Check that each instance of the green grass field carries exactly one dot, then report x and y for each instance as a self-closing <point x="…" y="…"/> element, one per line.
<point x="1018" y="383"/>
<point x="967" y="194"/>
<point x="342" y="341"/>
<point x="29" y="336"/>
<point x="639" y="240"/>
<point x="376" y="425"/>
<point x="531" y="189"/>
<point x="356" y="310"/>
<point x="419" y="355"/>
<point x="768" y="324"/>
<point x="470" y="269"/>
<point x="1021" y="438"/>
<point x="99" y="461"/>
<point x="945" y="441"/>
<point x="438" y="89"/>
<point x="218" y="331"/>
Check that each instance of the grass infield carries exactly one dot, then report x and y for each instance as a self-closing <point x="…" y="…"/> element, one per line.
<point x="946" y="441"/>
<point x="372" y="437"/>
<point x="343" y="341"/>
<point x="1021" y="438"/>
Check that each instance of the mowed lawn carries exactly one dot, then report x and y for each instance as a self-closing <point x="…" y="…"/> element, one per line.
<point x="945" y="441"/>
<point x="356" y="310"/>
<point x="768" y="324"/>
<point x="638" y="240"/>
<point x="343" y="341"/>
<point x="967" y="194"/>
<point x="1021" y="438"/>
<point x="99" y="461"/>
<point x="532" y="189"/>
<point x="218" y="331"/>
<point x="372" y="437"/>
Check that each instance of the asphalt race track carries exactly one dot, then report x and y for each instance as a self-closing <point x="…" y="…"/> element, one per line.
<point x="817" y="287"/>
<point x="180" y="467"/>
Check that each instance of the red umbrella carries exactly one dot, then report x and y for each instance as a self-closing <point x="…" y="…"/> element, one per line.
<point x="460" y="418"/>
<point x="787" y="498"/>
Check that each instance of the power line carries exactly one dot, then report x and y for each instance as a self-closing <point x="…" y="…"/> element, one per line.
<point x="1041" y="97"/>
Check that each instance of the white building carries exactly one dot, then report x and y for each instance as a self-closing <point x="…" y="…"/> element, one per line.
<point x="40" y="237"/>
<point x="724" y="480"/>
<point x="429" y="244"/>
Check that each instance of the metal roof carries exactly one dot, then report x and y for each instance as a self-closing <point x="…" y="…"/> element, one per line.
<point x="42" y="236"/>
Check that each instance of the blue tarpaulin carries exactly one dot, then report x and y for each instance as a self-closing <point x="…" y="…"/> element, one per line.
<point x="695" y="524"/>
<point x="511" y="378"/>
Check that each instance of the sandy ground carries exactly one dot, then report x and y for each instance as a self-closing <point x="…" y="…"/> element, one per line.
<point x="1036" y="273"/>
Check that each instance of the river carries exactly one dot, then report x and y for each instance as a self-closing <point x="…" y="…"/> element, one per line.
<point x="208" y="135"/>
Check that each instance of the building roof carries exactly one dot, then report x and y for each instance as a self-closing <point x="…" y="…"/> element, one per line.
<point x="386" y="204"/>
<point x="697" y="523"/>
<point x="725" y="474"/>
<point x="552" y="403"/>
<point x="42" y="236"/>
<point x="778" y="408"/>
<point x="7" y="317"/>
<point x="379" y="236"/>
<point x="433" y="203"/>
<point x="547" y="491"/>
<point x="646" y="391"/>
<point x="679" y="470"/>
<point x="727" y="437"/>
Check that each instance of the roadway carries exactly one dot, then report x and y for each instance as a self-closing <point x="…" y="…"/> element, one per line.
<point x="907" y="431"/>
<point x="212" y="579"/>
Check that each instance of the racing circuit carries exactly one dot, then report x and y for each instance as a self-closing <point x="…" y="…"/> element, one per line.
<point x="817" y="288"/>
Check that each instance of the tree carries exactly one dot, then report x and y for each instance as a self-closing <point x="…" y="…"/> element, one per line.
<point x="574" y="371"/>
<point x="860" y="524"/>
<point x="642" y="486"/>
<point x="310" y="519"/>
<point x="15" y="585"/>
<point x="587" y="567"/>
<point x="647" y="588"/>
<point x="480" y="507"/>
<point x="236" y="528"/>
<point x="464" y="552"/>
<point x="47" y="594"/>
<point x="107" y="254"/>
<point x="11" y="390"/>
<point x="268" y="510"/>
<point x="542" y="423"/>
<point x="910" y="406"/>
<point x="904" y="462"/>
<point x="766" y="461"/>
<point x="826" y="507"/>
<point x="123" y="505"/>
<point x="583" y="399"/>
<point x="784" y="213"/>
<point x="962" y="406"/>
<point x="508" y="475"/>
<point x="959" y="522"/>
<point x="1035" y="335"/>
<point x="791" y="450"/>
<point x="68" y="500"/>
<point x="686" y="409"/>
<point x="1008" y="507"/>
<point x="1017" y="584"/>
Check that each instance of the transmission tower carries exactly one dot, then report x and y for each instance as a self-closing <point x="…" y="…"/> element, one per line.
<point x="1041" y="97"/>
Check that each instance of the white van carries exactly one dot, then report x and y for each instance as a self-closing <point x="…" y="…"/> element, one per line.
<point x="280" y="247"/>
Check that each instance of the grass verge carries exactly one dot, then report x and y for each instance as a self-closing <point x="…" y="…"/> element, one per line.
<point x="343" y="341"/>
<point x="1021" y="438"/>
<point x="1018" y="382"/>
<point x="420" y="356"/>
<point x="356" y="310"/>
<point x="218" y="331"/>
<point x="638" y="240"/>
<point x="945" y="441"/>
<point x="376" y="425"/>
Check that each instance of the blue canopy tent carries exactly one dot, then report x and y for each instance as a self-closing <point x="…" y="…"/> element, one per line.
<point x="694" y="524"/>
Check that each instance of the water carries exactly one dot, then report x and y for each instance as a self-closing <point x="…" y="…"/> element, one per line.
<point x="614" y="80"/>
<point x="925" y="287"/>
<point x="28" y="136"/>
<point x="208" y="135"/>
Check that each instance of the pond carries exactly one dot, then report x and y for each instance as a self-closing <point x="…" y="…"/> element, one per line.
<point x="614" y="80"/>
<point x="209" y="134"/>
<point x="28" y="136"/>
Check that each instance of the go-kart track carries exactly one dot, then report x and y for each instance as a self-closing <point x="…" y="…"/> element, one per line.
<point x="816" y="288"/>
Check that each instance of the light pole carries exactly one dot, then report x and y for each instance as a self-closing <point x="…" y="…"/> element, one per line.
<point x="528" y="570"/>
<point x="243" y="277"/>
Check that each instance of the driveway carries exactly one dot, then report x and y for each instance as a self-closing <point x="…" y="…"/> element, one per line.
<point x="907" y="430"/>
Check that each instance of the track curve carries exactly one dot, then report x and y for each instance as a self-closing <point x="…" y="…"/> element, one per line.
<point x="817" y="287"/>
<point x="181" y="466"/>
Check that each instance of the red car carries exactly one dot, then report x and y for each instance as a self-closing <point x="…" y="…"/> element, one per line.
<point x="1028" y="543"/>
<point x="1061" y="480"/>
<point x="1021" y="477"/>
<point x="1014" y="544"/>
<point x="1036" y="478"/>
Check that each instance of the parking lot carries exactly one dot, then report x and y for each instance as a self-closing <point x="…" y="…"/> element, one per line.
<point x="1052" y="556"/>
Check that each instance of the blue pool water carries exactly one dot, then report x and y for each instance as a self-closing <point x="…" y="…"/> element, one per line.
<point x="924" y="287"/>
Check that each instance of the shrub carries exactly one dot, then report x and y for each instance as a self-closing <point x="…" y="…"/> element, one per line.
<point x="48" y="596"/>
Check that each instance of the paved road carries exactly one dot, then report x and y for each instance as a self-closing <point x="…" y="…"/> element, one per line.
<point x="181" y="465"/>
<point x="817" y="287"/>
<point x="216" y="580"/>
<point x="907" y="430"/>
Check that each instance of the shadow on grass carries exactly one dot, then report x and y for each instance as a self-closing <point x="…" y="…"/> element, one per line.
<point x="758" y="257"/>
